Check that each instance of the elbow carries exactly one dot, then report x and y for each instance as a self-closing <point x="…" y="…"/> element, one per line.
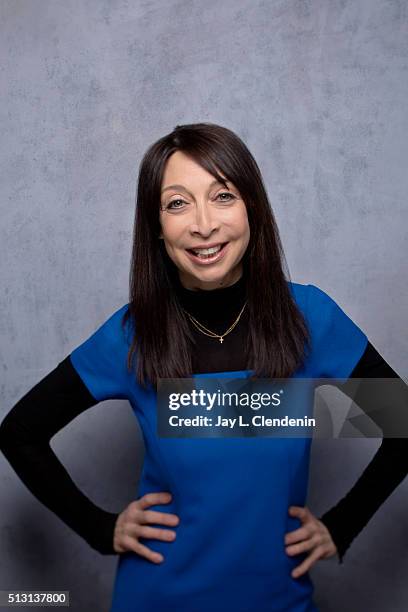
<point x="7" y="435"/>
<point x="13" y="435"/>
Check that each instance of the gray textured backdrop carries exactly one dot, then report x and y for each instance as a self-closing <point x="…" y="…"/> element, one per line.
<point x="318" y="90"/>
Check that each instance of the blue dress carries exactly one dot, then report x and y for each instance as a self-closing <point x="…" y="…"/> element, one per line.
<point x="231" y="494"/>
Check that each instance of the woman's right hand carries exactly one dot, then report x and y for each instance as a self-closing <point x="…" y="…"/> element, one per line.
<point x="131" y="525"/>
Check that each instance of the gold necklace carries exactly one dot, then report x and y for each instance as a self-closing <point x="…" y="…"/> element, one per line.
<point x="208" y="332"/>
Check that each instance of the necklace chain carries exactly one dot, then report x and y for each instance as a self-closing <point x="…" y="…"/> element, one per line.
<point x="207" y="332"/>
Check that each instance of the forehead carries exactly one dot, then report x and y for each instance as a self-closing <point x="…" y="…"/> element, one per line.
<point x="182" y="169"/>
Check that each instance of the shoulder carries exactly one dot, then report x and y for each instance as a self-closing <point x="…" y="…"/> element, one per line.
<point x="315" y="303"/>
<point x="116" y="328"/>
<point x="337" y="342"/>
<point x="299" y="293"/>
<point x="306" y="297"/>
<point x="117" y="315"/>
<point x="101" y="358"/>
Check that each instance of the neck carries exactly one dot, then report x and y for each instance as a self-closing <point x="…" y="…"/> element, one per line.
<point x="196" y="284"/>
<point x="215" y="309"/>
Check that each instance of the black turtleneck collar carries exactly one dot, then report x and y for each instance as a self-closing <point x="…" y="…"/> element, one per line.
<point x="215" y="305"/>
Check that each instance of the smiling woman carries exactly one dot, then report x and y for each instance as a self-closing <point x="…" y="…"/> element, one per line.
<point x="209" y="294"/>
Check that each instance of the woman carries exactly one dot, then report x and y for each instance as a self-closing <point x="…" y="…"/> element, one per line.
<point x="218" y="524"/>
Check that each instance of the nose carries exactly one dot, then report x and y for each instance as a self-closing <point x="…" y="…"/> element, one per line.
<point x="204" y="222"/>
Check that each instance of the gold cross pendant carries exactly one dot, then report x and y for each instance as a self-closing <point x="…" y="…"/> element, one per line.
<point x="221" y="340"/>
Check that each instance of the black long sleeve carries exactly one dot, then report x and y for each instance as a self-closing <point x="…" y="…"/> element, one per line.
<point x="25" y="434"/>
<point x="384" y="473"/>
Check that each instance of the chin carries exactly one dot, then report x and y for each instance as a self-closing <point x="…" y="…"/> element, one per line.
<point x="210" y="276"/>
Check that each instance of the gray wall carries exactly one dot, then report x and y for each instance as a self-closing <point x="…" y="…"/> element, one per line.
<point x="318" y="90"/>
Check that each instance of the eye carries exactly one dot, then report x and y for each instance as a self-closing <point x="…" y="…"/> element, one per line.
<point x="171" y="204"/>
<point x="229" y="195"/>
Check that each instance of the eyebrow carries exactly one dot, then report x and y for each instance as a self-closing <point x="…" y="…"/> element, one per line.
<point x="181" y="188"/>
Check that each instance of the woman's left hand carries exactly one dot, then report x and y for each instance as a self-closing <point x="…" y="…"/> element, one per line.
<point x="312" y="536"/>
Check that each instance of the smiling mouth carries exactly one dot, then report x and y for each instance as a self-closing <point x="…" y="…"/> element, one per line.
<point x="208" y="253"/>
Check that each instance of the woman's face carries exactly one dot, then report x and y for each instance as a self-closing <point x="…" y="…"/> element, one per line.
<point x="198" y="212"/>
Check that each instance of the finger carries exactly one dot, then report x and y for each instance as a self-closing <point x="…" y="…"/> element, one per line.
<point x="151" y="499"/>
<point x="158" y="534"/>
<point x="142" y="550"/>
<point x="303" y="533"/>
<point x="304" y="546"/>
<point x="299" y="511"/>
<point x="307" y="563"/>
<point x="162" y="518"/>
<point x="135" y="514"/>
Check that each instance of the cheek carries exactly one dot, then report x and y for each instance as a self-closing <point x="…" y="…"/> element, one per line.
<point x="240" y="222"/>
<point x="242" y="227"/>
<point x="244" y="233"/>
<point x="171" y="235"/>
<point x="169" y="232"/>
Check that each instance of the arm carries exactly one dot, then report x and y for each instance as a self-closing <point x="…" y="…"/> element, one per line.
<point x="25" y="434"/>
<point x="383" y="474"/>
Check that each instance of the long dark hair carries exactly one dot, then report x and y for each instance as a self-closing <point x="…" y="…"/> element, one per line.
<point x="162" y="342"/>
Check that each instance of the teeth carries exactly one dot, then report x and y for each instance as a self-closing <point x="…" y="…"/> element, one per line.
<point x="210" y="251"/>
